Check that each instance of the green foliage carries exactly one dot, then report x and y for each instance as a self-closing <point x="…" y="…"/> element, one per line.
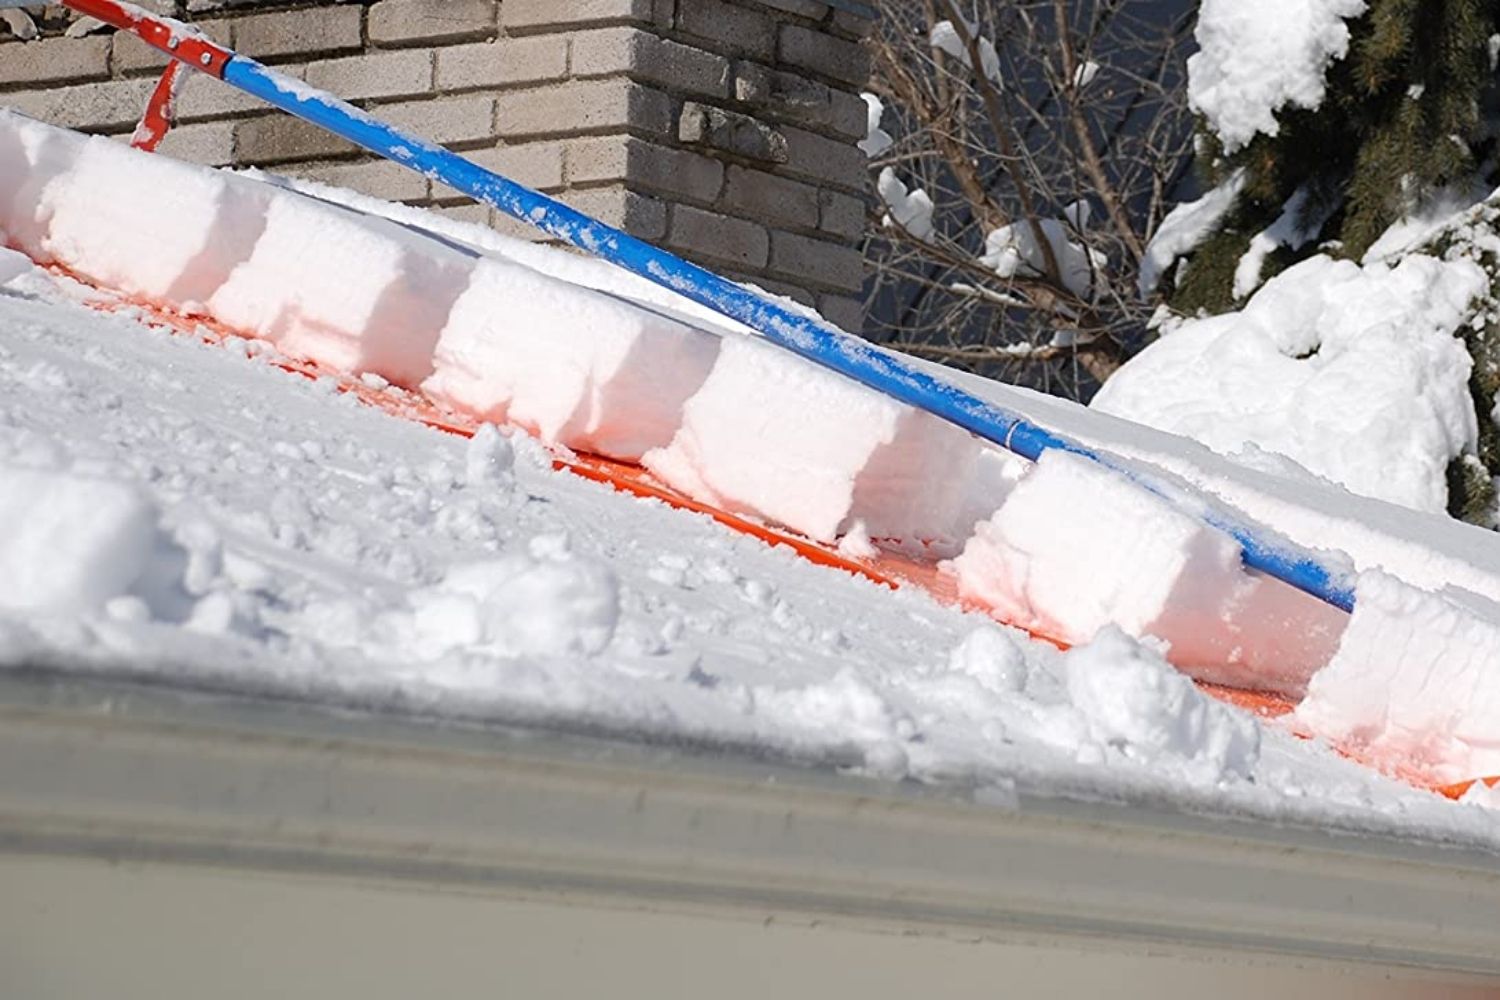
<point x="1402" y="117"/>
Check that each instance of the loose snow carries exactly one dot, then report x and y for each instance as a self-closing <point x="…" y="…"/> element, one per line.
<point x="1257" y="58"/>
<point x="1351" y="372"/>
<point x="255" y="531"/>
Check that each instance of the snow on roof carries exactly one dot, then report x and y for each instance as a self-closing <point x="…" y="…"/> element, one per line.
<point x="265" y="533"/>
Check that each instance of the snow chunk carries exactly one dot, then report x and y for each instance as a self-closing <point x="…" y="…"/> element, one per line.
<point x="1077" y="547"/>
<point x="909" y="209"/>
<point x="1414" y="681"/>
<point x="945" y="38"/>
<point x="877" y="140"/>
<point x="1014" y="249"/>
<point x="1186" y="226"/>
<point x="992" y="658"/>
<point x="350" y="291"/>
<point x="539" y="604"/>
<point x="1259" y="57"/>
<point x="773" y="435"/>
<point x="71" y="542"/>
<point x="1354" y="373"/>
<point x="1135" y="702"/>
<point x="577" y="367"/>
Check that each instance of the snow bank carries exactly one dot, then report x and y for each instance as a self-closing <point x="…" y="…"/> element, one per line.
<point x="1257" y="58"/>
<point x="1077" y="548"/>
<point x="1352" y="372"/>
<point x="1416" y="681"/>
<point x="775" y="436"/>
<point x="71" y="542"/>
<point x="572" y="365"/>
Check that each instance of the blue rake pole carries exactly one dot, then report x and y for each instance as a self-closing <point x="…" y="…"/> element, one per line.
<point x="812" y="339"/>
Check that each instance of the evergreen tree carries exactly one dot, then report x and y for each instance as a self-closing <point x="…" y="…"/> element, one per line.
<point x="1408" y="111"/>
<point x="1402" y="117"/>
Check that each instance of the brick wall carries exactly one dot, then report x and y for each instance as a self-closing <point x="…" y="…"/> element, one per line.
<point x="723" y="129"/>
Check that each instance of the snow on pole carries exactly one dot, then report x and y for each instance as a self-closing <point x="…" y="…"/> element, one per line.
<point x="811" y="338"/>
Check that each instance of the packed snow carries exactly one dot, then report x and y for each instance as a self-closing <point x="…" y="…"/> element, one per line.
<point x="266" y="533"/>
<point x="1256" y="58"/>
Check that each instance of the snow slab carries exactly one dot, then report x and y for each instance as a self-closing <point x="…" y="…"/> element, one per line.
<point x="1353" y="373"/>
<point x="577" y="367"/>
<point x="773" y="435"/>
<point x="1416" y="681"/>
<point x="1126" y="559"/>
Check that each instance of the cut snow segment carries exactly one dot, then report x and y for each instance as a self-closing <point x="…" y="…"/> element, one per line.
<point x="575" y="366"/>
<point x="354" y="293"/>
<point x="1077" y="548"/>
<point x="1415" y="682"/>
<point x="778" y="437"/>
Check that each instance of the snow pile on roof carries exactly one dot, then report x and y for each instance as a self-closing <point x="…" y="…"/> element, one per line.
<point x="1352" y="372"/>
<point x="1257" y="58"/>
<point x="444" y="576"/>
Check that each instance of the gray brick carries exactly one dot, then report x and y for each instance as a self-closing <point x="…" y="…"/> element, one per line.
<point x="817" y="262"/>
<point x="523" y="15"/>
<point x="203" y="97"/>
<point x="374" y="76"/>
<point x="825" y="160"/>
<point x="843" y="312"/>
<point x="445" y="120"/>
<point x="842" y="215"/>
<point x="109" y="104"/>
<point x="775" y="287"/>
<point x="636" y="214"/>
<point x="822" y="53"/>
<point x="738" y="29"/>
<point x="50" y="60"/>
<point x="282" y="138"/>
<point x="409" y="22"/>
<point x="211" y="144"/>
<point x="650" y="59"/>
<point x="299" y="32"/>
<point x="131" y="55"/>
<point x="502" y="63"/>
<point x="799" y="99"/>
<point x="855" y="25"/>
<point x="813" y="10"/>
<point x="674" y="173"/>
<point x="731" y="132"/>
<point x="377" y="178"/>
<point x="718" y="237"/>
<point x="470" y="212"/>
<point x="777" y="200"/>
<point x="581" y="107"/>
<point x="536" y="164"/>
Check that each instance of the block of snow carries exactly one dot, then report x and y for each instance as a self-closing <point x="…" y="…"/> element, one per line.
<point x="71" y="542"/>
<point x="149" y="225"/>
<point x="575" y="366"/>
<point x="1352" y="372"/>
<point x="354" y="292"/>
<point x="32" y="157"/>
<point x="775" y="436"/>
<point x="1076" y="548"/>
<point x="1415" y="681"/>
